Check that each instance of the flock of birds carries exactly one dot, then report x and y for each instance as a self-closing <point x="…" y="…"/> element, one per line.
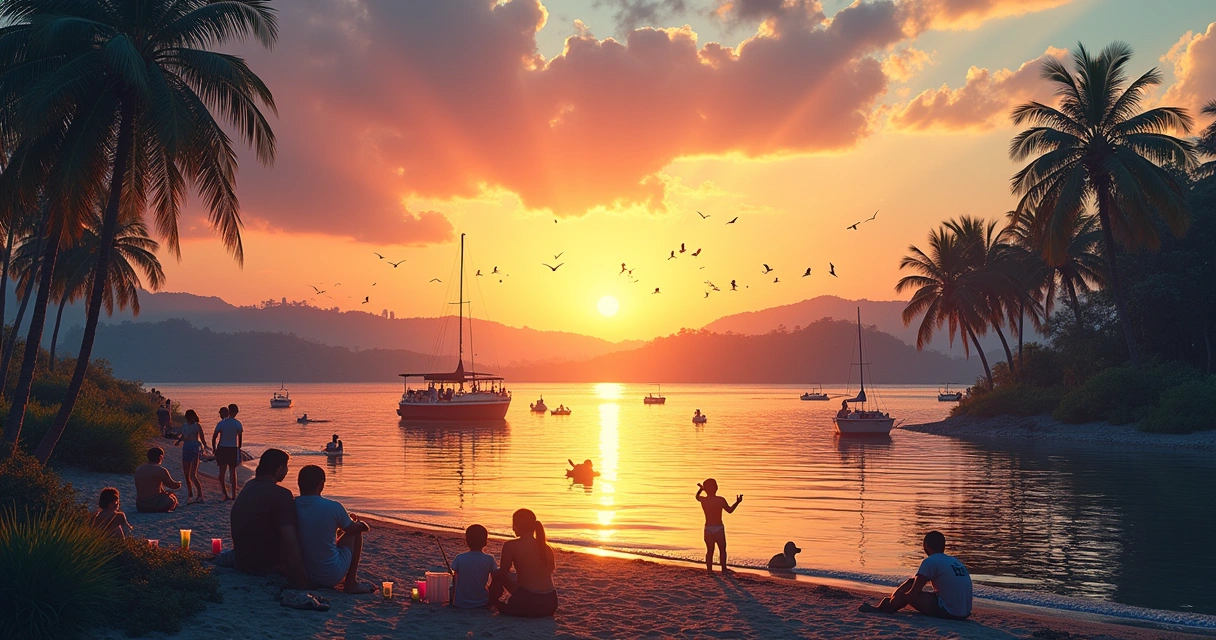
<point x="625" y="271"/>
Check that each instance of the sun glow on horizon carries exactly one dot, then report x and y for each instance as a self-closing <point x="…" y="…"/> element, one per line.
<point x="608" y="306"/>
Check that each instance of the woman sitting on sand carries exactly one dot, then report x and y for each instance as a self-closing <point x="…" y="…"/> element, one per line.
<point x="532" y="592"/>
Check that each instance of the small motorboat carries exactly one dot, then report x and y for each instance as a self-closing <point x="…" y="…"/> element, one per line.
<point x="281" y="399"/>
<point x="817" y="394"/>
<point x="655" y="398"/>
<point x="304" y="419"/>
<point x="699" y="418"/>
<point x="561" y="410"/>
<point x="538" y="406"/>
<point x="946" y="395"/>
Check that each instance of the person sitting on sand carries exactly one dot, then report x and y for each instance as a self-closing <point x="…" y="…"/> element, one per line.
<point x="532" y="592"/>
<point x="473" y="569"/>
<point x="108" y="518"/>
<point x="785" y="559"/>
<point x="951" y="595"/>
<point x="150" y="497"/>
<point x="263" y="522"/>
<point x="334" y="446"/>
<point x="715" y="532"/>
<point x="328" y="560"/>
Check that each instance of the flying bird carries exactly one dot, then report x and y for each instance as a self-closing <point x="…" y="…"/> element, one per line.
<point x="733" y="286"/>
<point x="396" y="263"/>
<point x="559" y="255"/>
<point x="703" y="216"/>
<point x="767" y="269"/>
<point x="832" y="270"/>
<point x="478" y="273"/>
<point x="656" y="290"/>
<point x="873" y="216"/>
<point x="378" y="255"/>
<point x="365" y="299"/>
<point x="314" y="288"/>
<point x="672" y="256"/>
<point x="554" y="268"/>
<point x="776" y="280"/>
<point x="808" y="272"/>
<point x="706" y="294"/>
<point x="697" y="252"/>
<point x="494" y="271"/>
<point x="434" y="280"/>
<point x="681" y="247"/>
<point x="373" y="284"/>
<point x="622" y="268"/>
<point x="854" y="225"/>
<point x="732" y="220"/>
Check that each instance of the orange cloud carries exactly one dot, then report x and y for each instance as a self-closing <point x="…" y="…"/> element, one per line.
<point x="1194" y="60"/>
<point x="922" y="15"/>
<point x="983" y="102"/>
<point x="905" y="63"/>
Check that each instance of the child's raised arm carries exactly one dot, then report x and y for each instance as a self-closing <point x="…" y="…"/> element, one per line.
<point x="730" y="508"/>
<point x="700" y="490"/>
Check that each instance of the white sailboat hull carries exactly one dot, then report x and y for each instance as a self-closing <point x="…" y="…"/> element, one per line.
<point x="867" y="426"/>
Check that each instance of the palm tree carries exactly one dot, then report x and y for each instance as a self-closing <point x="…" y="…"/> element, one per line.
<point x="137" y="93"/>
<point x="132" y="254"/>
<point x="1081" y="268"/>
<point x="1098" y="148"/>
<point x="1207" y="141"/>
<point x="990" y="265"/>
<point x="944" y="293"/>
<point x="25" y="263"/>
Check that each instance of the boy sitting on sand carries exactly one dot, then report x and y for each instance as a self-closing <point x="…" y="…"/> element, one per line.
<point x="108" y="518"/>
<point x="715" y="532"/>
<point x="951" y="595"/>
<point x="473" y="569"/>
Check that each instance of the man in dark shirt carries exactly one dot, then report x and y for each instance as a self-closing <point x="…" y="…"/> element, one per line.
<point x="264" y="523"/>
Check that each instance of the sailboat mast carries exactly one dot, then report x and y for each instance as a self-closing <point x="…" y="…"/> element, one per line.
<point x="861" y="362"/>
<point x="460" y="304"/>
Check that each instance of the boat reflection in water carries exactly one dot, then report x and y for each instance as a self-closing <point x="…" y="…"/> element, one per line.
<point x="453" y="454"/>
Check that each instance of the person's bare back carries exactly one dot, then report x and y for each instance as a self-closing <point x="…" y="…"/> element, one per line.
<point x="149" y="478"/>
<point x="532" y="562"/>
<point x="713" y="506"/>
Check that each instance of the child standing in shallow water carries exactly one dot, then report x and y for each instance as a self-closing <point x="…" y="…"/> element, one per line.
<point x="715" y="532"/>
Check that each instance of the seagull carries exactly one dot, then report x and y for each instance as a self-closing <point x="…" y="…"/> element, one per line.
<point x="808" y="272"/>
<point x="703" y="216"/>
<point x="873" y="216"/>
<point x="681" y="247"/>
<point x="494" y="271"/>
<point x="622" y="268"/>
<point x="732" y="220"/>
<point x="697" y="252"/>
<point x="434" y="280"/>
<point x="378" y="255"/>
<point x="478" y="273"/>
<point x="672" y="256"/>
<point x="832" y="270"/>
<point x="854" y="225"/>
<point x="706" y="294"/>
<point x="314" y="288"/>
<point x="396" y="263"/>
<point x="365" y="299"/>
<point x="767" y="269"/>
<point x="373" y="284"/>
<point x="558" y="255"/>
<point x="554" y="268"/>
<point x="656" y="290"/>
<point x="337" y="284"/>
<point x="776" y="280"/>
<point x="733" y="286"/>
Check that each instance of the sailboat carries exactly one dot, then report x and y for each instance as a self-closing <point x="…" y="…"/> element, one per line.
<point x="281" y="398"/>
<point x="462" y="396"/>
<point x="861" y="419"/>
<point x="658" y="398"/>
<point x="947" y="395"/>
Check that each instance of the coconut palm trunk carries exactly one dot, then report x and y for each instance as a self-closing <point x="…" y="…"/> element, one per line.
<point x="109" y="224"/>
<point x="1074" y="302"/>
<point x="1004" y="343"/>
<point x="63" y="302"/>
<point x="980" y="350"/>
<point x="11" y="345"/>
<point x="8" y="257"/>
<point x="1116" y="287"/>
<point x="33" y="339"/>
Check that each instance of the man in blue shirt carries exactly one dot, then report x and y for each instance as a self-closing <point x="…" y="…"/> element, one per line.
<point x="327" y="560"/>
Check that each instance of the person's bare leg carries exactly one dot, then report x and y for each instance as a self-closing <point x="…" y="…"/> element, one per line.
<point x="501" y="580"/>
<point x="354" y="542"/>
<point x="709" y="555"/>
<point x="722" y="551"/>
<point x="898" y="598"/>
<point x="232" y="476"/>
<point x="223" y="487"/>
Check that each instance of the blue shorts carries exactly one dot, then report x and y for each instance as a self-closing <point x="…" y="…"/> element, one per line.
<point x="190" y="451"/>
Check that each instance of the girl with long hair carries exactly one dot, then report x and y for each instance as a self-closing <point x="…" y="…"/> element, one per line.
<point x="193" y="443"/>
<point x="532" y="592"/>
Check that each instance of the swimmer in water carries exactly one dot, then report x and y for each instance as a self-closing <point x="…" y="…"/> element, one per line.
<point x="335" y="446"/>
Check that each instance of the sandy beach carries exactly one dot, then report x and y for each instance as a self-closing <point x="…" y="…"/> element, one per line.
<point x="600" y="596"/>
<point x="1046" y="428"/>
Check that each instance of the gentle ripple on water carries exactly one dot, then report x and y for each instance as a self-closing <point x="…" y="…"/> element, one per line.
<point x="1112" y="524"/>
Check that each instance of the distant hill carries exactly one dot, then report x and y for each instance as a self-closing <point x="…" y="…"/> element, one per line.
<point x="176" y="351"/>
<point x="884" y="314"/>
<point x="819" y="352"/>
<point x="360" y="330"/>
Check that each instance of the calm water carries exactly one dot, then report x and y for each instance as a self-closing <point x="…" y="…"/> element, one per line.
<point x="1110" y="524"/>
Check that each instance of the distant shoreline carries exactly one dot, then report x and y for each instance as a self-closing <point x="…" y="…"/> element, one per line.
<point x="1045" y="428"/>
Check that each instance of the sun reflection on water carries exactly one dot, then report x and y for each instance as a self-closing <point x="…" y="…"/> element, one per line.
<point x="610" y="414"/>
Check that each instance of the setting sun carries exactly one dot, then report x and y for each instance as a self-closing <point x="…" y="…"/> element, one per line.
<point x="608" y="306"/>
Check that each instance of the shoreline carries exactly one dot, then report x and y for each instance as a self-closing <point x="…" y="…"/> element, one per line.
<point x="1046" y="428"/>
<point x="603" y="593"/>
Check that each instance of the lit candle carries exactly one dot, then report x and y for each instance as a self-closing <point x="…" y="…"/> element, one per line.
<point x="414" y="593"/>
<point x="185" y="538"/>
<point x="154" y="543"/>
<point x="217" y="545"/>
<point x="420" y="587"/>
<point x="386" y="590"/>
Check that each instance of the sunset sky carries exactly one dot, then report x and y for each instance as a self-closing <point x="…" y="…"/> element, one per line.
<point x="403" y="124"/>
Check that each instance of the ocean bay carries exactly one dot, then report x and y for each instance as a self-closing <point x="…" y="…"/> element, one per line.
<point x="1096" y="522"/>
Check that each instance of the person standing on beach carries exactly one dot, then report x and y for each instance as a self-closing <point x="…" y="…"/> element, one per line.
<point x="163" y="418"/>
<point x="532" y="592"/>
<point x="951" y="595"/>
<point x="150" y="478"/>
<point x="192" y="442"/>
<point x="715" y="532"/>
<point x="263" y="521"/>
<point x="328" y="561"/>
<point x="226" y="441"/>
